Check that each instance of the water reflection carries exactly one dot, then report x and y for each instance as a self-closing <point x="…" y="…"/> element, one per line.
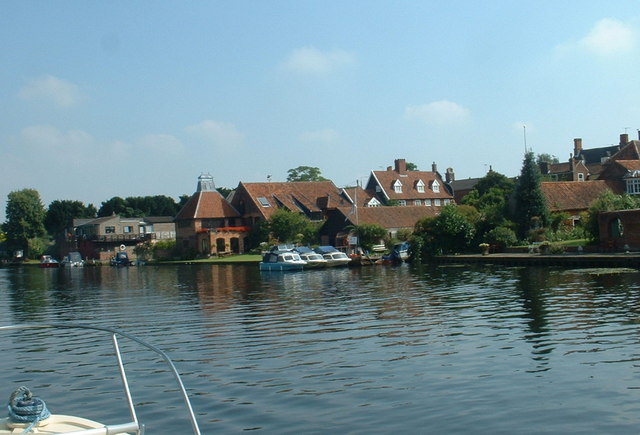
<point x="367" y="349"/>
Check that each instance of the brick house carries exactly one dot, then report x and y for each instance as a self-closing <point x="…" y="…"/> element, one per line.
<point x="409" y="188"/>
<point x="258" y="201"/>
<point x="208" y="224"/>
<point x="100" y="238"/>
<point x="335" y="230"/>
<point x="623" y="169"/>
<point x="574" y="197"/>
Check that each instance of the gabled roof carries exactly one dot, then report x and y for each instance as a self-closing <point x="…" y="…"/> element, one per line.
<point x="409" y="179"/>
<point x="629" y="165"/>
<point x="358" y="194"/>
<point x="206" y="205"/>
<point x="391" y="217"/>
<point x="628" y="152"/>
<point x="573" y="195"/>
<point x="300" y="196"/>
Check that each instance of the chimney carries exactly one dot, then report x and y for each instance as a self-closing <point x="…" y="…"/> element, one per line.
<point x="577" y="146"/>
<point x="434" y="167"/>
<point x="624" y="139"/>
<point x="389" y="168"/>
<point x="449" y="175"/>
<point x="401" y="166"/>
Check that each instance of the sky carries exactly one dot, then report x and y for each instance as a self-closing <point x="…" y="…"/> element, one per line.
<point x="136" y="98"/>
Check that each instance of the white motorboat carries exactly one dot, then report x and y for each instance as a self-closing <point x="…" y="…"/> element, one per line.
<point x="313" y="259"/>
<point x="29" y="414"/>
<point x="281" y="261"/>
<point x="333" y="256"/>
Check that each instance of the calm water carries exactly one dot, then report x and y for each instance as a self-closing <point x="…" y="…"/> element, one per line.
<point x="372" y="350"/>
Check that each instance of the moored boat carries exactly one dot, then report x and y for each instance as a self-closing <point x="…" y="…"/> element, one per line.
<point x="334" y="257"/>
<point x="313" y="259"/>
<point x="281" y="261"/>
<point x="48" y="261"/>
<point x="29" y="414"/>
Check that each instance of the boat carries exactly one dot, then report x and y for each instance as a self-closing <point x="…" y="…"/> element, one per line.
<point x="29" y="414"/>
<point x="74" y="259"/>
<point x="399" y="253"/>
<point x="48" y="261"/>
<point x="279" y="260"/>
<point x="333" y="256"/>
<point x="121" y="259"/>
<point x="313" y="259"/>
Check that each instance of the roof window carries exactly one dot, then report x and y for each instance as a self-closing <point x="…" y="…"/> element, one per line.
<point x="263" y="201"/>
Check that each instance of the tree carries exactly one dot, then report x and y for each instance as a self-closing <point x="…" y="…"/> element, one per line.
<point x="115" y="206"/>
<point x="25" y="215"/>
<point x="305" y="173"/>
<point x="288" y="227"/>
<point x="531" y="211"/>
<point x="139" y="206"/>
<point x="412" y="166"/>
<point x="450" y="232"/>
<point x="61" y="213"/>
<point x="369" y="235"/>
<point x="547" y="158"/>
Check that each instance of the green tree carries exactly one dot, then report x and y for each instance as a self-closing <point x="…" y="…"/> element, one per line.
<point x="548" y="158"/>
<point x="531" y="211"/>
<point x="25" y="215"/>
<point x="61" y="213"/>
<point x="289" y="227"/>
<point x="448" y="233"/>
<point x="305" y="173"/>
<point x="607" y="201"/>
<point x="412" y="166"/>
<point x="115" y="206"/>
<point x="369" y="235"/>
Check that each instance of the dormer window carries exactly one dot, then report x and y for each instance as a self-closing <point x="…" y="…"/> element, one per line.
<point x="397" y="186"/>
<point x="420" y="186"/>
<point x="435" y="186"/>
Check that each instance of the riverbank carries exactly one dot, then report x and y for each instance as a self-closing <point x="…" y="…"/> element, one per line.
<point x="565" y="259"/>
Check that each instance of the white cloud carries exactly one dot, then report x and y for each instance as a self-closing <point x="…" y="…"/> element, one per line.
<point x="610" y="37"/>
<point x="46" y="137"/>
<point x="438" y="112"/>
<point x="310" y="60"/>
<point x="52" y="89"/>
<point x="218" y="133"/>
<point x="324" y="137"/>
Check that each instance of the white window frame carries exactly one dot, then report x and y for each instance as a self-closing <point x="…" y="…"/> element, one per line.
<point x="436" y="202"/>
<point x="420" y="186"/>
<point x="633" y="186"/>
<point x="427" y="202"/>
<point x="402" y="202"/>
<point x="580" y="176"/>
<point x="417" y="202"/>
<point x="435" y="186"/>
<point x="397" y="186"/>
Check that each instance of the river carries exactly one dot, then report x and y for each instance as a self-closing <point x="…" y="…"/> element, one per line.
<point x="434" y="349"/>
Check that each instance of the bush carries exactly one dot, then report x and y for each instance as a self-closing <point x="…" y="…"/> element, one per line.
<point x="501" y="237"/>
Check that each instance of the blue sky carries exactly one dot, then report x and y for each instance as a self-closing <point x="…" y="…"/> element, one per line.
<point x="121" y="98"/>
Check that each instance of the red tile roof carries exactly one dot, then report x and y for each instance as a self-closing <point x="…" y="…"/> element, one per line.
<point x="311" y="196"/>
<point x="392" y="217"/>
<point x="206" y="205"/>
<point x="409" y="180"/>
<point x="573" y="195"/>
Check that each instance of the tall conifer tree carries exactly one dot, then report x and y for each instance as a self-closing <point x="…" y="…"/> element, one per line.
<point x="531" y="211"/>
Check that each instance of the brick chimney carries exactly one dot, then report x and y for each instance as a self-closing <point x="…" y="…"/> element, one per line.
<point x="449" y="175"/>
<point x="401" y="166"/>
<point x="577" y="146"/>
<point x="624" y="139"/>
<point x="434" y="167"/>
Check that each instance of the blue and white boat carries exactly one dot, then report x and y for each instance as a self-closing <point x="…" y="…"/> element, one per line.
<point x="281" y="261"/>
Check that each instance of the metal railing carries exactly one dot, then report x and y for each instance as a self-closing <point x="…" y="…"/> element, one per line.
<point x="134" y="425"/>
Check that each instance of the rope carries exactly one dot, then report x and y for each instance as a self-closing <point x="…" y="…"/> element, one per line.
<point x="24" y="408"/>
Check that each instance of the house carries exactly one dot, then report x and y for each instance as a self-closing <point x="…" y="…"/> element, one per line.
<point x="401" y="187"/>
<point x="258" y="201"/>
<point x="208" y="224"/>
<point x="573" y="197"/>
<point x="336" y="229"/>
<point x="584" y="164"/>
<point x="623" y="168"/>
<point x="360" y="197"/>
<point x="100" y="238"/>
